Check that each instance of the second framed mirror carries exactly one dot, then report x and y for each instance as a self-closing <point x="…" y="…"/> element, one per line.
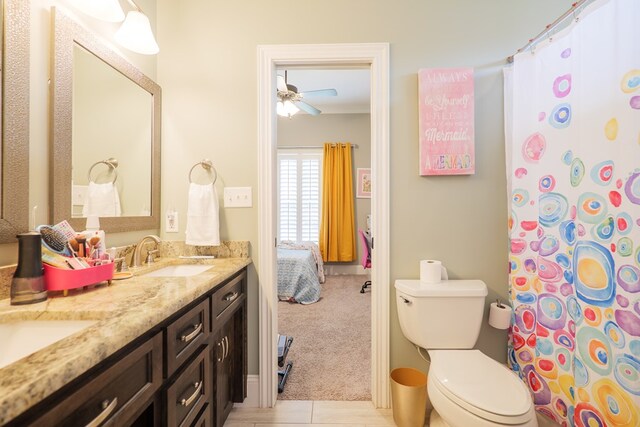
<point x="105" y="132"/>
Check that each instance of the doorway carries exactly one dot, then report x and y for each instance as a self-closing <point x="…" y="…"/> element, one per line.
<point x="320" y="309"/>
<point x="376" y="56"/>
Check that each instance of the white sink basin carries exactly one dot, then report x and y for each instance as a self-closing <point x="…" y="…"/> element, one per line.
<point x="22" y="338"/>
<point x="179" y="270"/>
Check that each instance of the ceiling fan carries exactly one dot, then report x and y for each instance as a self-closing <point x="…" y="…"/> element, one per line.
<point x="290" y="101"/>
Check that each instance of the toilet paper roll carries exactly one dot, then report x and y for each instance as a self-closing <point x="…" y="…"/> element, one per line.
<point x="430" y="271"/>
<point x="500" y="317"/>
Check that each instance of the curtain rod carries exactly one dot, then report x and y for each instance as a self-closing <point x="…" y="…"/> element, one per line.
<point x="571" y="12"/>
<point x="298" y="147"/>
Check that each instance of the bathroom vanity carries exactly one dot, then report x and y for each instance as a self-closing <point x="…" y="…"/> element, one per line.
<point x="163" y="351"/>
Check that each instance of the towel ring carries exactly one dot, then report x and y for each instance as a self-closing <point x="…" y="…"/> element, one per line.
<point x="113" y="165"/>
<point x="206" y="165"/>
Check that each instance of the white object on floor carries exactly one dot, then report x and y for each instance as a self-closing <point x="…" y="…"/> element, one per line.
<point x="203" y="216"/>
<point x="102" y="200"/>
<point x="465" y="387"/>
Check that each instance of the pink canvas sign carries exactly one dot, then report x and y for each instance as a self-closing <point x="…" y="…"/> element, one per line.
<point x="446" y="121"/>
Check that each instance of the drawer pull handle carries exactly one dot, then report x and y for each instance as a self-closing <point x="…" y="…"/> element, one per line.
<point x="231" y="296"/>
<point x="107" y="409"/>
<point x="189" y="401"/>
<point x="218" y="353"/>
<point x="226" y="340"/>
<point x="192" y="335"/>
<point x="224" y="348"/>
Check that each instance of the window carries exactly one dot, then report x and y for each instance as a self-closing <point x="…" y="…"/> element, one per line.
<point x="299" y="175"/>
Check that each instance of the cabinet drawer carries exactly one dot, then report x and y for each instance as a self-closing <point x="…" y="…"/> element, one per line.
<point x="204" y="419"/>
<point x="190" y="391"/>
<point x="228" y="294"/>
<point x="116" y="395"/>
<point x="185" y="335"/>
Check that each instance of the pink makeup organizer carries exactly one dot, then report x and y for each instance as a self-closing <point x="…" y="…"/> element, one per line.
<point x="58" y="279"/>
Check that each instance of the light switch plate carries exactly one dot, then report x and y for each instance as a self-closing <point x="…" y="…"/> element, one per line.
<point x="237" y="197"/>
<point x="79" y="194"/>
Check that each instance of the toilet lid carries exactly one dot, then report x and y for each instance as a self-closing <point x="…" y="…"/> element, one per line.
<point x="479" y="383"/>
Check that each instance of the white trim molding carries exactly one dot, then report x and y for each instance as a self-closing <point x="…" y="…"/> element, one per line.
<point x="253" y="393"/>
<point x="376" y="57"/>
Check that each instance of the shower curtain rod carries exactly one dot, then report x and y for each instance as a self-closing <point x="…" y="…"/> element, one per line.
<point x="571" y="12"/>
<point x="298" y="147"/>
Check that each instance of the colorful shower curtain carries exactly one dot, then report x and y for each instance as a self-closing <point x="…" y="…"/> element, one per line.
<point x="572" y="114"/>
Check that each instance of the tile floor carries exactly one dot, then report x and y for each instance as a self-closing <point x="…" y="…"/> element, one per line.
<point x="299" y="413"/>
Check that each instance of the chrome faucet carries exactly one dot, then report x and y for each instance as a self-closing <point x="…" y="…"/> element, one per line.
<point x="135" y="259"/>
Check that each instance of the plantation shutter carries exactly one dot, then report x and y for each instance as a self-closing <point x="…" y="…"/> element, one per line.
<point x="299" y="177"/>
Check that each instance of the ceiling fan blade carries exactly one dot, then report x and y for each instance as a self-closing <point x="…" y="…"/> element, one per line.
<point x="320" y="92"/>
<point x="282" y="84"/>
<point x="306" y="107"/>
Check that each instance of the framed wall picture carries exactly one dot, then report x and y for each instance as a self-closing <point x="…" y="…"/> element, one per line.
<point x="446" y="117"/>
<point x="364" y="183"/>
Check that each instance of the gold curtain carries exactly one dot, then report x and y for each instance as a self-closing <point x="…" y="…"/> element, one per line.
<point x="337" y="229"/>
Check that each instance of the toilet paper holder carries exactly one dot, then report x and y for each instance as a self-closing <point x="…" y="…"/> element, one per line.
<point x="499" y="303"/>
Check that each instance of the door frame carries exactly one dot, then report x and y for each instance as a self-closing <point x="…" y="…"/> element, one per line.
<point x="376" y="56"/>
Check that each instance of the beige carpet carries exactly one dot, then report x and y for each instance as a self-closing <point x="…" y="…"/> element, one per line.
<point x="331" y="349"/>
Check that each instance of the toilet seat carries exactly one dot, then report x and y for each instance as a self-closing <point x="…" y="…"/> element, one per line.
<point x="480" y="385"/>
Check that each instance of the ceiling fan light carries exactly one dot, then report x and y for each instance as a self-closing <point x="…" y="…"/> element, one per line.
<point x="286" y="108"/>
<point x="290" y="108"/>
<point x="135" y="34"/>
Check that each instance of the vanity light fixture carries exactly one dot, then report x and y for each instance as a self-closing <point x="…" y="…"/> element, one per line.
<point x="135" y="33"/>
<point x="105" y="10"/>
<point x="286" y="109"/>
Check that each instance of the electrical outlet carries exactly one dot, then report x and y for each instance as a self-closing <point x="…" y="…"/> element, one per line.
<point x="171" y="223"/>
<point x="237" y="197"/>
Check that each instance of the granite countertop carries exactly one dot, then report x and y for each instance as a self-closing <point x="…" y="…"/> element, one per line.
<point x="123" y="311"/>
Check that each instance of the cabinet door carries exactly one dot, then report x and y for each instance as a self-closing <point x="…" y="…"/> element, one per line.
<point x="224" y="370"/>
<point x="115" y="396"/>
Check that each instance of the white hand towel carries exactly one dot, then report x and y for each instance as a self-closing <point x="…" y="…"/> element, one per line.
<point x="203" y="218"/>
<point x="102" y="200"/>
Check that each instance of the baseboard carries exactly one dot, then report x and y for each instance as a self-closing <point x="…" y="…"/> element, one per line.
<point x="253" y="393"/>
<point x="336" y="270"/>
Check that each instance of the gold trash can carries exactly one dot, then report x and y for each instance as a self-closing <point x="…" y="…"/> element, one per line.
<point x="408" y="397"/>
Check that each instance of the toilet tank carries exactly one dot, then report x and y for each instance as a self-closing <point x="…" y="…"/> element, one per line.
<point x="445" y="315"/>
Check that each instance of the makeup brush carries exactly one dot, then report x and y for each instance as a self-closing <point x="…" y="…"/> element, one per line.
<point x="82" y="250"/>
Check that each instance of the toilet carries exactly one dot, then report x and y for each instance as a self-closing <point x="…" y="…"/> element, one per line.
<point x="466" y="387"/>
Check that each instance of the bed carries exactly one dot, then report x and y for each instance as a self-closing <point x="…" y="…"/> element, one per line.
<point x="298" y="278"/>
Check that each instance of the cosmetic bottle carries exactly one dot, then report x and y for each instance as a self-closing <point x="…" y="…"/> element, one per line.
<point x="27" y="284"/>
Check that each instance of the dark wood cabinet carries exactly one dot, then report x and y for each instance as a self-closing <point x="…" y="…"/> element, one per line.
<point x="189" y="392"/>
<point x="117" y="396"/>
<point x="228" y="352"/>
<point x="185" y="335"/>
<point x="223" y="373"/>
<point x="186" y="371"/>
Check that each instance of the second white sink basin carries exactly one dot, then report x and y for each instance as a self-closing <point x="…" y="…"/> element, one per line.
<point x="185" y="270"/>
<point x="22" y="338"/>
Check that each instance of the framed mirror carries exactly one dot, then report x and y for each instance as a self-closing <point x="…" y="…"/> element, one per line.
<point x="14" y="112"/>
<point x="105" y="134"/>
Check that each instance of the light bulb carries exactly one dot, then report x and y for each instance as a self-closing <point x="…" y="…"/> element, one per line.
<point x="290" y="108"/>
<point x="135" y="34"/>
